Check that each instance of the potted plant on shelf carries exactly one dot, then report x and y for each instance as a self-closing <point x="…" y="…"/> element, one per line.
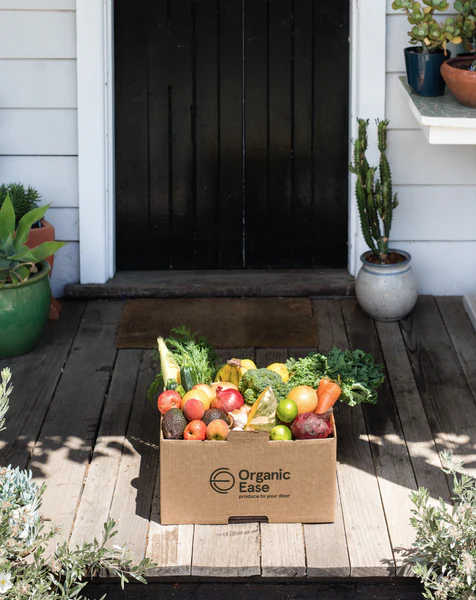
<point x="25" y="292"/>
<point x="423" y="64"/>
<point x="460" y="72"/>
<point x="386" y="286"/>
<point x="25" y="200"/>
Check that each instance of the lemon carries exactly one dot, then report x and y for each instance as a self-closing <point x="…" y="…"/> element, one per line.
<point x="280" y="369"/>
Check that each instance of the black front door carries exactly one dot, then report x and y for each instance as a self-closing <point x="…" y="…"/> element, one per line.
<point x="231" y="133"/>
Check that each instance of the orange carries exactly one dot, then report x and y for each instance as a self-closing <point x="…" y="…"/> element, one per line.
<point x="198" y="395"/>
<point x="305" y="398"/>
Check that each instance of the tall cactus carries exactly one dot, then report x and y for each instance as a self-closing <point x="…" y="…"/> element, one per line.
<point x="375" y="198"/>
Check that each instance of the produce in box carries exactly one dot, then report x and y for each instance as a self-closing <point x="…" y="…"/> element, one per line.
<point x="202" y="400"/>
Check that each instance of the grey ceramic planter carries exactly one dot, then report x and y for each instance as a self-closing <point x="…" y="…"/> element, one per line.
<point x="386" y="292"/>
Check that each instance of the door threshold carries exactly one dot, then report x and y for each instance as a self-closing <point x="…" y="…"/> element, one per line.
<point x="220" y="284"/>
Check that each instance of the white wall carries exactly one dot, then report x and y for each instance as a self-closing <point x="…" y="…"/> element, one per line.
<point x="436" y="219"/>
<point x="38" y="117"/>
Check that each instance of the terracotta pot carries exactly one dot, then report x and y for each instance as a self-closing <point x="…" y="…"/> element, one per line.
<point x="37" y="236"/>
<point x="461" y="81"/>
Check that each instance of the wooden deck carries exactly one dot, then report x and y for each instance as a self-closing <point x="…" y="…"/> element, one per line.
<point x="79" y="420"/>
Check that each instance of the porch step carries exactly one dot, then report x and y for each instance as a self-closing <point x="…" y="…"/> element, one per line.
<point x="218" y="283"/>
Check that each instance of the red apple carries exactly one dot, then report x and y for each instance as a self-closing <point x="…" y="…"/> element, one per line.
<point x="195" y="430"/>
<point x="169" y="399"/>
<point x="194" y="410"/>
<point x="217" y="430"/>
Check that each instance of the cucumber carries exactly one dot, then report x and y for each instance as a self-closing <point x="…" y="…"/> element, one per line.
<point x="171" y="384"/>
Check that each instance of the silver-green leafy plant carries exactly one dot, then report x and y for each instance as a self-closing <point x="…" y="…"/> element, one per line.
<point x="466" y="10"/>
<point x="17" y="261"/>
<point x="444" y="553"/>
<point x="27" y="572"/>
<point x="375" y="198"/>
<point x="431" y="35"/>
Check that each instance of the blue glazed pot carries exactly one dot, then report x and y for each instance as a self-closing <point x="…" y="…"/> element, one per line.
<point x="423" y="71"/>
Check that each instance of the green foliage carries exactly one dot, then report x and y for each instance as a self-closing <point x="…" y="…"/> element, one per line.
<point x="17" y="261"/>
<point x="432" y="35"/>
<point x="23" y="200"/>
<point x="375" y="199"/>
<point x="5" y="391"/>
<point x="355" y="371"/>
<point x="188" y="349"/>
<point x="255" y="381"/>
<point x="467" y="22"/>
<point x="444" y="553"/>
<point x="26" y="571"/>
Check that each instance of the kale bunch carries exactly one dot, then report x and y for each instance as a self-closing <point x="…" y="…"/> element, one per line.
<point x="255" y="381"/>
<point x="307" y="371"/>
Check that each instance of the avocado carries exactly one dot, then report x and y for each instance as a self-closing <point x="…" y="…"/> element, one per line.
<point x="173" y="424"/>
<point x="212" y="414"/>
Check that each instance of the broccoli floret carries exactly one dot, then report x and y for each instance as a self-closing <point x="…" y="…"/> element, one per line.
<point x="255" y="381"/>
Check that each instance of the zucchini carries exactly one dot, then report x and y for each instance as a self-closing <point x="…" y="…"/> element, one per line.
<point x="171" y="384"/>
<point x="188" y="378"/>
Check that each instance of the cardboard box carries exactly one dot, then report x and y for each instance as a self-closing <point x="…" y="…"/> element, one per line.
<point x="248" y="476"/>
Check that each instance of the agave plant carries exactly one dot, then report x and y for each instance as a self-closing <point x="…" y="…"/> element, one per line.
<point x="427" y="31"/>
<point x="17" y="261"/>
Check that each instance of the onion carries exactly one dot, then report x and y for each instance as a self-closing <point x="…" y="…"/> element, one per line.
<point x="228" y="400"/>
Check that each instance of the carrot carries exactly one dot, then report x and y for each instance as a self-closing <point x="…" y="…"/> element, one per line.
<point x="322" y="385"/>
<point x="327" y="398"/>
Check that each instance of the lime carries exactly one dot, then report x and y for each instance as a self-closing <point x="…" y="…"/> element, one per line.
<point x="281" y="432"/>
<point x="287" y="410"/>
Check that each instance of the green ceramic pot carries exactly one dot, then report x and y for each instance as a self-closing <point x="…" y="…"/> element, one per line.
<point x="24" y="310"/>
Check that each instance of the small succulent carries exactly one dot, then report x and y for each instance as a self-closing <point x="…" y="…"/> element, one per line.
<point x="23" y="199"/>
<point x="431" y="34"/>
<point x="467" y="22"/>
<point x="17" y="261"/>
<point x="5" y="391"/>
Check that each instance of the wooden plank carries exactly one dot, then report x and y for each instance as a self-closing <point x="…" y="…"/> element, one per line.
<point x="207" y="120"/>
<point x="134" y="490"/>
<point x="160" y="226"/>
<point x="33" y="4"/>
<point x="462" y="335"/>
<point x="226" y="550"/>
<point x="417" y="432"/>
<point x="390" y="453"/>
<point x="64" y="447"/>
<point x="40" y="132"/>
<point x="38" y="84"/>
<point x="369" y="555"/>
<point x="30" y="403"/>
<point x="131" y="136"/>
<point x="444" y="389"/>
<point x="37" y="34"/>
<point x="282" y="545"/>
<point x="330" y="134"/>
<point x="230" y="167"/>
<point x="302" y="214"/>
<point x="98" y="490"/>
<point x="55" y="177"/>
<point x="282" y="550"/>
<point x="257" y="198"/>
<point x="181" y="73"/>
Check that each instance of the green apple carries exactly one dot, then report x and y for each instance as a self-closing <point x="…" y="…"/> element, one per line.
<point x="281" y="432"/>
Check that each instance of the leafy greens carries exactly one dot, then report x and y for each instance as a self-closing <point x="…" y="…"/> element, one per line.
<point x="355" y="371"/>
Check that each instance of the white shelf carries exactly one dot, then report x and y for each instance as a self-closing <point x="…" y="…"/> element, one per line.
<point x="443" y="119"/>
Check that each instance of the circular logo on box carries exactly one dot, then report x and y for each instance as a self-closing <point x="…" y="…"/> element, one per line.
<point x="222" y="480"/>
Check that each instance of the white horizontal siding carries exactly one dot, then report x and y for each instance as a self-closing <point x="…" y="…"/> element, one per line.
<point x="37" y="34"/>
<point x="38" y="84"/>
<point x="55" y="177"/>
<point x="65" y="222"/>
<point x="38" y="4"/>
<point x="436" y="218"/>
<point x="66" y="268"/>
<point x="38" y="132"/>
<point x="38" y="116"/>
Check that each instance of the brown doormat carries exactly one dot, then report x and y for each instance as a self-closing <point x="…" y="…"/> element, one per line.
<point x="225" y="322"/>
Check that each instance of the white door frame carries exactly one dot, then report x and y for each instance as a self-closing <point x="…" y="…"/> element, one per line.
<point x="95" y="56"/>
